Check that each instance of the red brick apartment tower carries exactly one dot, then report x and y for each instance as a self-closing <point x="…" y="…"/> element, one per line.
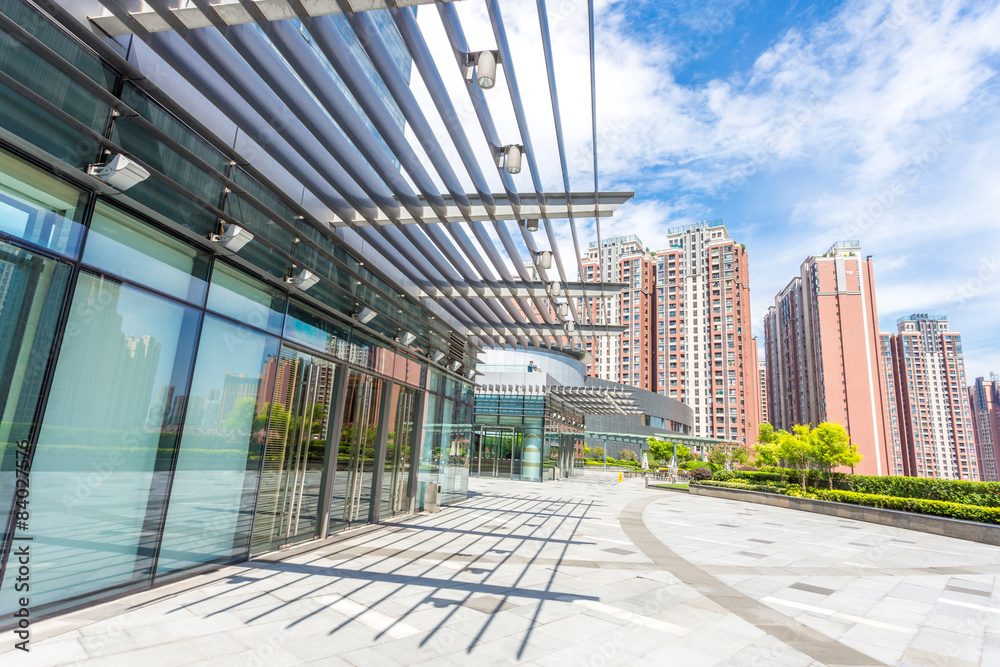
<point x="703" y="338"/>
<point x="935" y="422"/>
<point x="631" y="358"/>
<point x="984" y="401"/>
<point x="823" y="358"/>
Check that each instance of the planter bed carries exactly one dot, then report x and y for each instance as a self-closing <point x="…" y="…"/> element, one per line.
<point x="973" y="531"/>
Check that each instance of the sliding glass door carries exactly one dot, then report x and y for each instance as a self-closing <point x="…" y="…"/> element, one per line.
<point x="351" y="501"/>
<point x="399" y="450"/>
<point x="302" y="388"/>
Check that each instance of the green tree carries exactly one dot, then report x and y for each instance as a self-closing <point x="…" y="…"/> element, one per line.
<point x="726" y="454"/>
<point x="240" y="419"/>
<point x="831" y="447"/>
<point x="627" y="455"/>
<point x="795" y="449"/>
<point x="662" y="450"/>
<point x="765" y="451"/>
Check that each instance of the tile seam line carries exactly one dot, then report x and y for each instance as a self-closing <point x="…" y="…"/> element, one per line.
<point x="796" y="635"/>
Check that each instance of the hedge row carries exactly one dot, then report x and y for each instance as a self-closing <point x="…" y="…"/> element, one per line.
<point x="766" y="488"/>
<point x="983" y="494"/>
<point x="752" y="475"/>
<point x="916" y="505"/>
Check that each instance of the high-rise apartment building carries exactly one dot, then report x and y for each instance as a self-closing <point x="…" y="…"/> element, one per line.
<point x="984" y="402"/>
<point x="706" y="357"/>
<point x="822" y="353"/>
<point x="631" y="358"/>
<point x="762" y="373"/>
<point x="931" y="399"/>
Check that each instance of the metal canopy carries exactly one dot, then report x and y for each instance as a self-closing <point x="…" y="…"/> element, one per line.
<point x="597" y="400"/>
<point x="526" y="290"/>
<point x="234" y="12"/>
<point x="341" y="94"/>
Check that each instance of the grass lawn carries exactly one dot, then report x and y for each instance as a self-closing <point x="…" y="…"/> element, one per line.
<point x="672" y="486"/>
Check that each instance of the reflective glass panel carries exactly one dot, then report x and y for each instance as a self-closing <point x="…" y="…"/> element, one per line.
<point x="39" y="208"/>
<point x="301" y="387"/>
<point x="237" y="295"/>
<point x="352" y="484"/>
<point x="101" y="467"/>
<point x="307" y="327"/>
<point x="400" y="440"/>
<point x="31" y="295"/>
<point x="215" y="480"/>
<point x="135" y="250"/>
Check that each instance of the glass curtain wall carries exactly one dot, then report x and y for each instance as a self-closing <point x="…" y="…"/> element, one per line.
<point x="444" y="455"/>
<point x="399" y="452"/>
<point x="301" y="387"/>
<point x="351" y="501"/>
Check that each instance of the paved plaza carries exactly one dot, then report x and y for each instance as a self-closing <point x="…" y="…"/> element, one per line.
<point x="586" y="571"/>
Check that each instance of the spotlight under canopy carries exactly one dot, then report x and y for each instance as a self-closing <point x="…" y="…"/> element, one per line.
<point x="304" y="279"/>
<point x="233" y="238"/>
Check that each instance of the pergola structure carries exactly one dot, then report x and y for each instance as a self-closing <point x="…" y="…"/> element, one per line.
<point x="331" y="112"/>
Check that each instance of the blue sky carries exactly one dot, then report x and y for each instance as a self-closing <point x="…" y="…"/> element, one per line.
<point x="798" y="124"/>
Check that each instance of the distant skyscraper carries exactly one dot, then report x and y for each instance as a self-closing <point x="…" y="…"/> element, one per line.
<point x="984" y="402"/>
<point x="931" y="399"/>
<point x="822" y="353"/>
<point x="706" y="356"/>
<point x="631" y="358"/>
<point x="762" y="372"/>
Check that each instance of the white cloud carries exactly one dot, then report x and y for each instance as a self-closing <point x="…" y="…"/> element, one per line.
<point x="879" y="123"/>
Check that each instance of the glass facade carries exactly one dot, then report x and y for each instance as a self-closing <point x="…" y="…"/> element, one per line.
<point x="180" y="413"/>
<point x="173" y="407"/>
<point x="525" y="437"/>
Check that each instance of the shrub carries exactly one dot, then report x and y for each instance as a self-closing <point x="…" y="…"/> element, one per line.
<point x="758" y="476"/>
<point x="983" y="494"/>
<point x="917" y="505"/>
<point x="723" y="476"/>
<point x="766" y="488"/>
<point x="691" y="465"/>
<point x="701" y="473"/>
<point x="627" y="455"/>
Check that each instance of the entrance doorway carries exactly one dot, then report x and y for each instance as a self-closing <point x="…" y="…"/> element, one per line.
<point x="301" y="388"/>
<point x="496" y="452"/>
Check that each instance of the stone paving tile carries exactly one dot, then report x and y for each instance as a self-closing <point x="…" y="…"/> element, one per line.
<point x="545" y="574"/>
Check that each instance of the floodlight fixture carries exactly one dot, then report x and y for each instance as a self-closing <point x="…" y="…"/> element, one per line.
<point x="366" y="315"/>
<point x="471" y="373"/>
<point x="563" y="310"/>
<point x="531" y="224"/>
<point x="437" y="356"/>
<point x="570" y="326"/>
<point x="304" y="279"/>
<point x="555" y="289"/>
<point x="484" y="64"/>
<point x="455" y="365"/>
<point x="509" y="158"/>
<point x="407" y="338"/>
<point x="543" y="259"/>
<point x="233" y="238"/>
<point x="119" y="172"/>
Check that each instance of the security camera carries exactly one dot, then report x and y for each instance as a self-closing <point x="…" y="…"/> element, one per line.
<point x="119" y="172"/>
